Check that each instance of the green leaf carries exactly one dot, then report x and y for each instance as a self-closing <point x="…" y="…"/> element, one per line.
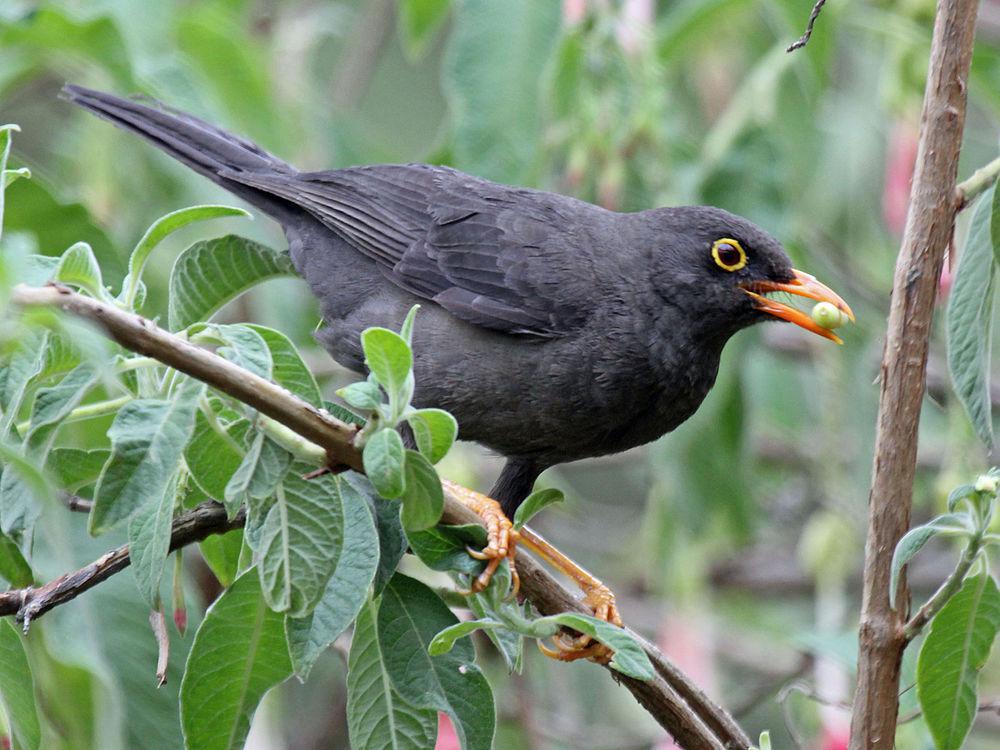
<point x="629" y="658"/>
<point x="911" y="543"/>
<point x="444" y="547"/>
<point x="148" y="438"/>
<point x="242" y="345"/>
<point x="434" y="430"/>
<point x="419" y="19"/>
<point x="159" y="231"/>
<point x="222" y="553"/>
<point x="495" y="51"/>
<point x="388" y="357"/>
<point x="52" y="405"/>
<point x="344" y="415"/>
<point x="149" y="541"/>
<point x="423" y="498"/>
<point x="955" y="650"/>
<point x="212" y="272"/>
<point x="444" y="641"/>
<point x="239" y="653"/>
<point x="78" y="267"/>
<point x="14" y="569"/>
<point x="409" y="617"/>
<point x="259" y="474"/>
<point x="20" y="370"/>
<point x="5" y="143"/>
<point x="347" y="588"/>
<point x="17" y="690"/>
<point x="299" y="543"/>
<point x="213" y="455"/>
<point x="392" y="541"/>
<point x="384" y="460"/>
<point x="290" y="372"/>
<point x="535" y="502"/>
<point x="362" y="395"/>
<point x="960" y="493"/>
<point x="970" y="315"/>
<point x="406" y="330"/>
<point x="23" y="491"/>
<point x="376" y="716"/>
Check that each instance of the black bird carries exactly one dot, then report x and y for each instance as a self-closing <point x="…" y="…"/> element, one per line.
<point x="552" y="329"/>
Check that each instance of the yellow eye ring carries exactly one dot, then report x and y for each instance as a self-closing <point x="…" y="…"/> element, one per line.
<point x="723" y="255"/>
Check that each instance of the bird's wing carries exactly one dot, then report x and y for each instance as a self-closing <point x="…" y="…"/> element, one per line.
<point x="492" y="255"/>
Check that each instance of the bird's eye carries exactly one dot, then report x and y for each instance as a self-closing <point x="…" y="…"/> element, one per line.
<point x="729" y="254"/>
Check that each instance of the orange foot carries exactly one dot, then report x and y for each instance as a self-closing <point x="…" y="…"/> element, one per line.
<point x="502" y="540"/>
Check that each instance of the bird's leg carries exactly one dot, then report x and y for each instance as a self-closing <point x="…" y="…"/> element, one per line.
<point x="501" y="539"/>
<point x="596" y="595"/>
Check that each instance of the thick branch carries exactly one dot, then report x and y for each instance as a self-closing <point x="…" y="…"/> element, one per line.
<point x="928" y="232"/>
<point x="671" y="698"/>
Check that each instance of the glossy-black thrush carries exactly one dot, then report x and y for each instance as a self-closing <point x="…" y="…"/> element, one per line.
<point x="552" y="329"/>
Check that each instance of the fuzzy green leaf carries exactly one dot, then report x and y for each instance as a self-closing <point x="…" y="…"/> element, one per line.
<point x="238" y="654"/>
<point x="970" y="315"/>
<point x="409" y="617"/>
<point x="535" y="502"/>
<point x="434" y="430"/>
<point x="423" y="497"/>
<point x="78" y="267"/>
<point x="952" y="655"/>
<point x="362" y="395"/>
<point x="376" y="716"/>
<point x="212" y="272"/>
<point x="629" y="658"/>
<point x="148" y="438"/>
<point x="388" y="357"/>
<point x="149" y="541"/>
<point x="347" y="588"/>
<point x="384" y="460"/>
<point x="17" y="690"/>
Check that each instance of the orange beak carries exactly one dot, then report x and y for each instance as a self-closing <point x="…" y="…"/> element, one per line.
<point x="802" y="285"/>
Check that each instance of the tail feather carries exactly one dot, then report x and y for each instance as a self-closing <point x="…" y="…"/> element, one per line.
<point x="198" y="144"/>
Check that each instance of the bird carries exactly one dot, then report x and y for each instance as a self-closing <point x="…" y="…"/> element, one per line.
<point x="551" y="328"/>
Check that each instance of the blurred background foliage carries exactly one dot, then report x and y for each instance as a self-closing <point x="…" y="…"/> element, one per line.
<point x="736" y="541"/>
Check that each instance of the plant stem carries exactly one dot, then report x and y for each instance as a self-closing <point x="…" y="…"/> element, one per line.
<point x="979" y="182"/>
<point x="89" y="411"/>
<point x="947" y="590"/>
<point x="929" y="228"/>
<point x="291" y="441"/>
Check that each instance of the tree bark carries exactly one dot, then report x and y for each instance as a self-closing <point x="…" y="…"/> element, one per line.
<point x="929" y="226"/>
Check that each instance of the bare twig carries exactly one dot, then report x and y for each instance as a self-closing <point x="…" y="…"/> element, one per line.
<point x="929" y="228"/>
<point x="693" y="719"/>
<point x="804" y="39"/>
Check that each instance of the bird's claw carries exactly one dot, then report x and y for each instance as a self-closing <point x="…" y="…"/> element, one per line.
<point x="501" y="539"/>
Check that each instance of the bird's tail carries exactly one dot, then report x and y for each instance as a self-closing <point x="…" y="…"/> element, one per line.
<point x="205" y="148"/>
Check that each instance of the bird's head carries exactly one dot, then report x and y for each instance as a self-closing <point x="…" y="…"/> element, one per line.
<point x="718" y="268"/>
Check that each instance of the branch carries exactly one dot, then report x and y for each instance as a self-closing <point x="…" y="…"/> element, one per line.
<point x="947" y="590"/>
<point x="804" y="39"/>
<point x="929" y="227"/>
<point x="671" y="697"/>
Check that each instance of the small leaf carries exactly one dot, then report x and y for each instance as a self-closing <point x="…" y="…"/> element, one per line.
<point x="951" y="657"/>
<point x="406" y="330"/>
<point x="238" y="654"/>
<point x="347" y="588"/>
<point x="960" y="493"/>
<point x="535" y="502"/>
<point x="242" y="345"/>
<point x="78" y="266"/>
<point x="363" y="395"/>
<point x="443" y="642"/>
<point x="17" y="690"/>
<point x="423" y="497"/>
<point x="149" y="541"/>
<point x="52" y="405"/>
<point x="376" y="716"/>
<point x="299" y="543"/>
<point x="434" y="430"/>
<point x="148" y="438"/>
<point x="970" y="315"/>
<point x="258" y="475"/>
<point x="344" y="415"/>
<point x="409" y="617"/>
<point x="911" y="543"/>
<point x="290" y="372"/>
<point x="159" y="230"/>
<point x="444" y="547"/>
<point x="384" y="460"/>
<point x="389" y="358"/>
<point x="629" y="658"/>
<point x="212" y="272"/>
<point x="14" y="569"/>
